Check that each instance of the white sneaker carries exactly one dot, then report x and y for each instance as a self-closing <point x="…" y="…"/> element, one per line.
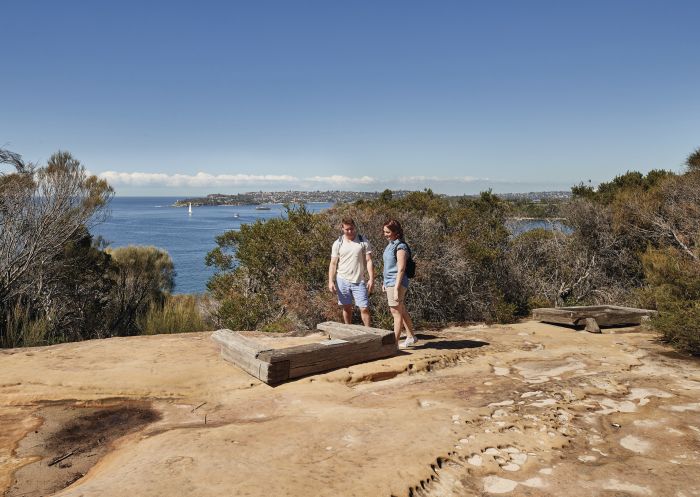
<point x="408" y="342"/>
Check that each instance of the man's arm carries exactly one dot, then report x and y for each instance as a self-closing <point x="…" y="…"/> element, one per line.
<point x="332" y="268"/>
<point x="370" y="272"/>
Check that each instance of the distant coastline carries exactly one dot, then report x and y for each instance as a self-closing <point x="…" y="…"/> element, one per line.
<point x="260" y="198"/>
<point x="334" y="196"/>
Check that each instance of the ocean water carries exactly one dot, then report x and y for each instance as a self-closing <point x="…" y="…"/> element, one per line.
<point x="187" y="238"/>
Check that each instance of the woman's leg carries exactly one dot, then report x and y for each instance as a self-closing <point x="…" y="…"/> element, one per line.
<point x="406" y="319"/>
<point x="398" y="321"/>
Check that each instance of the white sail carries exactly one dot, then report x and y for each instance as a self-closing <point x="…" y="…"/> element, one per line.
<point x="190" y="209"/>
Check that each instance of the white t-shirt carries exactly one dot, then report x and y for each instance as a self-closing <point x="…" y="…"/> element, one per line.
<point x="351" y="256"/>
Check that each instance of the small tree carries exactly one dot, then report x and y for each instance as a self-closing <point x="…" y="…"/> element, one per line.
<point x="43" y="211"/>
<point x="693" y="160"/>
<point x="143" y="276"/>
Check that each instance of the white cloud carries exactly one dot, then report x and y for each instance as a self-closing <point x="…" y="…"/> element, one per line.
<point x="206" y="180"/>
<point x="198" y="180"/>
<point x="342" y="180"/>
<point x="203" y="183"/>
<point x="439" y="179"/>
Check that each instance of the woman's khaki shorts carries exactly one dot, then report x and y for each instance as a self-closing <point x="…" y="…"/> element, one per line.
<point x="393" y="299"/>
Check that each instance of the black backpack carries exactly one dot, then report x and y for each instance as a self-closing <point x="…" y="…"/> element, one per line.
<point x="410" y="263"/>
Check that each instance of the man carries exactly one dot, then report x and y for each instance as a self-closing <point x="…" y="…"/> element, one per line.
<point x="350" y="254"/>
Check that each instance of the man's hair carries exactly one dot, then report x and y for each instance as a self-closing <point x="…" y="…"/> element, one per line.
<point x="395" y="227"/>
<point x="348" y="221"/>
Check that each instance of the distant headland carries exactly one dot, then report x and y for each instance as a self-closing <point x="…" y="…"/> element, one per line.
<point x="260" y="197"/>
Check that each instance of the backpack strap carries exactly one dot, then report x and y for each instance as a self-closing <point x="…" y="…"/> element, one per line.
<point x="360" y="237"/>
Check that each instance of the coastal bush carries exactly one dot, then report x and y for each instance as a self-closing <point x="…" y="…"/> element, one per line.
<point x="610" y="230"/>
<point x="177" y="314"/>
<point x="645" y="234"/>
<point x="672" y="263"/>
<point x="273" y="274"/>
<point x="272" y="270"/>
<point x="458" y="247"/>
<point x="57" y="283"/>
<point x="51" y="274"/>
<point x="675" y="283"/>
<point x="142" y="279"/>
<point x="21" y="329"/>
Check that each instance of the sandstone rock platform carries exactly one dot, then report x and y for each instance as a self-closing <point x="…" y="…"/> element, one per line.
<point x="523" y="410"/>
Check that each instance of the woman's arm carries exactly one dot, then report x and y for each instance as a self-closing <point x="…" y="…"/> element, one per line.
<point x="401" y="258"/>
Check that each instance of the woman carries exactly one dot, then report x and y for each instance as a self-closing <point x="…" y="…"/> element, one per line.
<point x="395" y="280"/>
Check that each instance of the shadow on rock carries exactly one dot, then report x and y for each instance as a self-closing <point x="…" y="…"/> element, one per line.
<point x="450" y="344"/>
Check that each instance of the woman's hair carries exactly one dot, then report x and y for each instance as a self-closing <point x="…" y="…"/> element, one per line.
<point x="395" y="227"/>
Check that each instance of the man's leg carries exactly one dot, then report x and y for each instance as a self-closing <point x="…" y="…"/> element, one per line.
<point x="347" y="313"/>
<point x="344" y="292"/>
<point x="359" y="293"/>
<point x="364" y="312"/>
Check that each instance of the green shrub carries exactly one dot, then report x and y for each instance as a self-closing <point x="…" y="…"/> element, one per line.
<point x="675" y="285"/>
<point x="273" y="270"/>
<point x="178" y="314"/>
<point x="276" y="271"/>
<point x="24" y="330"/>
<point x="238" y="312"/>
<point x="142" y="278"/>
<point x="678" y="322"/>
<point x="282" y="325"/>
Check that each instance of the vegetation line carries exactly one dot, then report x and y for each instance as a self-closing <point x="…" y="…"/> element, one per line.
<point x="632" y="241"/>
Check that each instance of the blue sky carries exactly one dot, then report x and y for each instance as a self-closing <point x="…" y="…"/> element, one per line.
<point x="189" y="98"/>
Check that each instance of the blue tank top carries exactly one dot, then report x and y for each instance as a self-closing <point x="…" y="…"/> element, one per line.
<point x="391" y="267"/>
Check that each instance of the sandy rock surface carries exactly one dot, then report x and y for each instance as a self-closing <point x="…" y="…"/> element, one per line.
<point x="522" y="410"/>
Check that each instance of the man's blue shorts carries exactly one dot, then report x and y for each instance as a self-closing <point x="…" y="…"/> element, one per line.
<point x="348" y="291"/>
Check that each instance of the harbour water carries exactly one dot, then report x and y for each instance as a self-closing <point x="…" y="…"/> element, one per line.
<point x="187" y="238"/>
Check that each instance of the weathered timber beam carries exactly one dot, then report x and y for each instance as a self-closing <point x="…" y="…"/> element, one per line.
<point x="603" y="315"/>
<point x="277" y="365"/>
<point x="341" y="330"/>
<point x="237" y="341"/>
<point x="314" y="358"/>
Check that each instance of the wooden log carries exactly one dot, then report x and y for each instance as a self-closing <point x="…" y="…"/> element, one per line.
<point x="324" y="348"/>
<point x="554" y="317"/>
<point x="243" y="351"/>
<point x="333" y="354"/>
<point x="237" y="341"/>
<point x="342" y="360"/>
<point x="277" y="365"/>
<point x="342" y="330"/>
<point x="604" y="315"/>
<point x="246" y="362"/>
<point x="262" y="370"/>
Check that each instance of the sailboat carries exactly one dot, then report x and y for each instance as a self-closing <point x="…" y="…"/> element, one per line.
<point x="189" y="210"/>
